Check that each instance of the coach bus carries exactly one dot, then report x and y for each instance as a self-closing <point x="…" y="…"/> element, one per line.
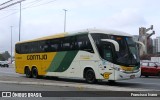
<point x="91" y="54"/>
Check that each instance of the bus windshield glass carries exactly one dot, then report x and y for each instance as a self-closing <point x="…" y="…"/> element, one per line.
<point x="128" y="53"/>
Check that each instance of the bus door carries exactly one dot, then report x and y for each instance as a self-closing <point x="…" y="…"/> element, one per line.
<point x="106" y="66"/>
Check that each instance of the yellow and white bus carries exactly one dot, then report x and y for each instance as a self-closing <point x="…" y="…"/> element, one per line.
<point x="91" y="54"/>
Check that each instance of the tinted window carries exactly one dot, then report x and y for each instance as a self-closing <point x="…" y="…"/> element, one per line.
<point x="32" y="47"/>
<point x="98" y="36"/>
<point x="70" y="43"/>
<point x="83" y="43"/>
<point x="66" y="44"/>
<point x="97" y="39"/>
<point x="17" y="48"/>
<point x="54" y="45"/>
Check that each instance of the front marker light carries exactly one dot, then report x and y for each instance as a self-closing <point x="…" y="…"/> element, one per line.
<point x="118" y="68"/>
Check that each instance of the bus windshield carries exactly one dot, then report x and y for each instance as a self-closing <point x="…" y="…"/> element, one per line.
<point x="128" y="53"/>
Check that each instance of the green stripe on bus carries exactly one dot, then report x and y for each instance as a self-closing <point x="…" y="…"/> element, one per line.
<point x="66" y="62"/>
<point x="56" y="61"/>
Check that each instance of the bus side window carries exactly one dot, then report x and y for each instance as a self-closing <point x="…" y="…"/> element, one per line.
<point x="66" y="44"/>
<point x="24" y="48"/>
<point x="21" y="48"/>
<point x="83" y="43"/>
<point x="40" y="46"/>
<point x="18" y="48"/>
<point x="47" y="46"/>
<point x="72" y="43"/>
<point x="33" y="47"/>
<point x="54" y="47"/>
<point x="60" y="45"/>
<point x="54" y="43"/>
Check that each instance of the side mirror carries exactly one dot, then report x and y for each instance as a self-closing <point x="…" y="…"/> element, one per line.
<point x="115" y="43"/>
<point x="143" y="46"/>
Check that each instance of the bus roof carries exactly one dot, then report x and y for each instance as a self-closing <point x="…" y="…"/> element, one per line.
<point x="111" y="32"/>
<point x="86" y="31"/>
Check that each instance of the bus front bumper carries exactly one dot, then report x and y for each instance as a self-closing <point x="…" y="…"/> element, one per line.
<point x="126" y="75"/>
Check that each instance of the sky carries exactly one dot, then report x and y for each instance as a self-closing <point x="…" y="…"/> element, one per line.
<point x="46" y="17"/>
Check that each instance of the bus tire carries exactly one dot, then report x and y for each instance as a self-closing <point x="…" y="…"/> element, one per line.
<point x="34" y="72"/>
<point x="111" y="81"/>
<point x="28" y="72"/>
<point x="90" y="76"/>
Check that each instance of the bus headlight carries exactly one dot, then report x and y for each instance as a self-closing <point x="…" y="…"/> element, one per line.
<point x="117" y="68"/>
<point x="121" y="70"/>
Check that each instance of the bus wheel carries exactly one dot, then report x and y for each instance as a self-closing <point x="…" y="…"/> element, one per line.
<point x="28" y="72"/>
<point x="34" y="72"/>
<point x="111" y="81"/>
<point x="90" y="76"/>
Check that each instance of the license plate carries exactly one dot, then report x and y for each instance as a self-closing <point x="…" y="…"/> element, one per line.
<point x="132" y="76"/>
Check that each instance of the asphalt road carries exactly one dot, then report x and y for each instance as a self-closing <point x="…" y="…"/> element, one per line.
<point x="61" y="93"/>
<point x="151" y="83"/>
<point x="11" y="81"/>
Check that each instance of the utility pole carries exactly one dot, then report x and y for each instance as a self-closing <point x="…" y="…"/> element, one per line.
<point x="5" y="3"/>
<point x="20" y="22"/>
<point x="9" y="4"/>
<point x="11" y="43"/>
<point x="65" y="19"/>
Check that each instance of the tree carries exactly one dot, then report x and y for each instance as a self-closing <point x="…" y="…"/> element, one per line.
<point x="6" y="55"/>
<point x="2" y="58"/>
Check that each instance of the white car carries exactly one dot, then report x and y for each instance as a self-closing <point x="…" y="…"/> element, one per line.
<point x="4" y="64"/>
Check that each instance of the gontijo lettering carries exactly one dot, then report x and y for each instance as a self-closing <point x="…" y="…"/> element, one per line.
<point x="37" y="57"/>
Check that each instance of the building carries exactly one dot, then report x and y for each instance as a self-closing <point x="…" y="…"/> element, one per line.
<point x="149" y="43"/>
<point x="155" y="49"/>
<point x="156" y="45"/>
